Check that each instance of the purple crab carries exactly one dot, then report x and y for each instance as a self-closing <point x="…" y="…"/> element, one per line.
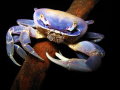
<point x="59" y="27"/>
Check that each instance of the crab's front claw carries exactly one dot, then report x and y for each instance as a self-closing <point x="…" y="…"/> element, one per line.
<point x="82" y="63"/>
<point x="76" y="64"/>
<point x="87" y="48"/>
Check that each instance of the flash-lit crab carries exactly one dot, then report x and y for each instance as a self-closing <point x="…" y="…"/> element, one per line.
<point x="59" y="27"/>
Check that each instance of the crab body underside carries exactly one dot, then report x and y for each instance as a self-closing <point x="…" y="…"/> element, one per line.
<point x="59" y="27"/>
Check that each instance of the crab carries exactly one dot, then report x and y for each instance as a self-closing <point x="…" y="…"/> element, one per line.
<point x="59" y="27"/>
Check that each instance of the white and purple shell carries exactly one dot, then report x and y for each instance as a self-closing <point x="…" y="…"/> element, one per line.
<point x="70" y="27"/>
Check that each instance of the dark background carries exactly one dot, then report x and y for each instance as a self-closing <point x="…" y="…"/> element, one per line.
<point x="58" y="77"/>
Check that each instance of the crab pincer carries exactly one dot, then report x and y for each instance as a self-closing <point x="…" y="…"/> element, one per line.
<point x="94" y="52"/>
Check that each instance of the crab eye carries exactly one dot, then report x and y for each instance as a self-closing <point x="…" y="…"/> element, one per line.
<point x="73" y="30"/>
<point x="72" y="27"/>
<point x="41" y="16"/>
<point x="75" y="24"/>
<point x="43" y="19"/>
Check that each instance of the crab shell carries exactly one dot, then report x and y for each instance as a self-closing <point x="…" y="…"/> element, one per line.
<point x="59" y="22"/>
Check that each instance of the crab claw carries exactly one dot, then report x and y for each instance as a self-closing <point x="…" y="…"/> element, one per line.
<point x="87" y="48"/>
<point x="84" y="64"/>
<point x="74" y="64"/>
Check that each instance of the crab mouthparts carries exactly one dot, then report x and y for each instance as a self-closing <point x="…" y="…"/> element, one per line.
<point x="56" y="37"/>
<point x="59" y="37"/>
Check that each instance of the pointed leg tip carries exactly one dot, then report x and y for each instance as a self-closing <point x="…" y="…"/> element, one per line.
<point x="36" y="55"/>
<point x="41" y="58"/>
<point x="14" y="61"/>
<point x="90" y="22"/>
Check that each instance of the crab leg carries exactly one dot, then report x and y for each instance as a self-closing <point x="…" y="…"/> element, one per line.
<point x="92" y="63"/>
<point x="90" y="22"/>
<point x="16" y="38"/>
<point x="96" y="36"/>
<point x="30" y="23"/>
<point x="10" y="41"/>
<point x="26" y="22"/>
<point x="20" y="51"/>
<point x="25" y="39"/>
<point x="35" y="33"/>
<point x="10" y="46"/>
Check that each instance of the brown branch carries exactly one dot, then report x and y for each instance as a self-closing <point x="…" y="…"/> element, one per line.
<point x="82" y="8"/>
<point x="33" y="70"/>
